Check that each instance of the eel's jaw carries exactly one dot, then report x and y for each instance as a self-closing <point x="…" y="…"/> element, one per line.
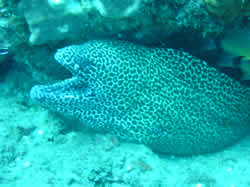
<point x="64" y="96"/>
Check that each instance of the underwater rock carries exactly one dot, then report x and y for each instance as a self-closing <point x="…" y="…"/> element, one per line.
<point x="164" y="98"/>
<point x="193" y="16"/>
<point x="12" y="26"/>
<point x="52" y="20"/>
<point x="75" y="21"/>
<point x="55" y="20"/>
<point x="117" y="8"/>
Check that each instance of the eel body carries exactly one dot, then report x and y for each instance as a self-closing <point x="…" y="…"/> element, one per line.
<point x="163" y="98"/>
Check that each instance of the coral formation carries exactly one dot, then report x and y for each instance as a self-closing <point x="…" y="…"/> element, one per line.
<point x="52" y="21"/>
<point x="73" y="20"/>
<point x="117" y="8"/>
<point x="12" y="25"/>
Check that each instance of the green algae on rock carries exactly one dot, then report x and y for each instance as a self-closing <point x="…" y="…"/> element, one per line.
<point x="164" y="98"/>
<point x="236" y="42"/>
<point x="228" y="10"/>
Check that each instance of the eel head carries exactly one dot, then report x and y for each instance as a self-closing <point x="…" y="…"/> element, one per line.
<point x="73" y="95"/>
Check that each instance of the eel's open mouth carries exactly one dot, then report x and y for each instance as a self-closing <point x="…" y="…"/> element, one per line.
<point x="64" y="93"/>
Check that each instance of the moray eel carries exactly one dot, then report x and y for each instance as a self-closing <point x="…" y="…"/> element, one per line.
<point x="164" y="98"/>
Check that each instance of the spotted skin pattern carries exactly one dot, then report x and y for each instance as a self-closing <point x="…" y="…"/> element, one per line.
<point x="164" y="98"/>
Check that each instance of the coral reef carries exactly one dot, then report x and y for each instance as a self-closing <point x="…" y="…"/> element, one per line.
<point x="13" y="29"/>
<point x="193" y="16"/>
<point x="52" y="20"/>
<point x="117" y="8"/>
<point x="74" y="21"/>
<point x="30" y="26"/>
